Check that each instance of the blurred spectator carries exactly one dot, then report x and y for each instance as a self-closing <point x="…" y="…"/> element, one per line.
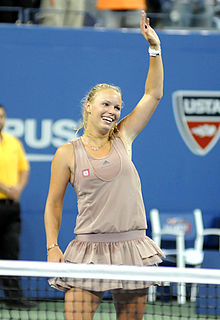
<point x="90" y="13"/>
<point x="13" y="15"/>
<point x="166" y="9"/>
<point x="192" y="13"/>
<point x="8" y="16"/>
<point x="154" y="7"/>
<point x="62" y="13"/>
<point x="216" y="18"/>
<point x="120" y="13"/>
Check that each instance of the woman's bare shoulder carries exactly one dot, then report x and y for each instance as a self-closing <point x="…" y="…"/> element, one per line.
<point x="64" y="149"/>
<point x="65" y="153"/>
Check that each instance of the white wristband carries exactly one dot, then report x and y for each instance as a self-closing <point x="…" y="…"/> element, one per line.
<point x="154" y="52"/>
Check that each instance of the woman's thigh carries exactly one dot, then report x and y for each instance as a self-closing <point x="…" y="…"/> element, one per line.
<point x="130" y="304"/>
<point x="81" y="304"/>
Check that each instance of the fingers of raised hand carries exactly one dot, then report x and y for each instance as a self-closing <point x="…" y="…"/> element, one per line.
<point x="145" y="22"/>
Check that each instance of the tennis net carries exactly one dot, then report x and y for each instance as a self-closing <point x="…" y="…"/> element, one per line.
<point x="184" y="293"/>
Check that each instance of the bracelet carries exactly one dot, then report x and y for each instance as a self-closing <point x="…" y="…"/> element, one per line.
<point x="52" y="246"/>
<point x="154" y="52"/>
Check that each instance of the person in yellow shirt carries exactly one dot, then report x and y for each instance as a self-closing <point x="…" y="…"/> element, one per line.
<point x="14" y="172"/>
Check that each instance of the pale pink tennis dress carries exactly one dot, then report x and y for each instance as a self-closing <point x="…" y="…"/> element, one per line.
<point x="111" y="223"/>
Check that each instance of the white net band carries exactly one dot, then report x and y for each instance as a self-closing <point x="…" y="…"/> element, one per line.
<point x="109" y="272"/>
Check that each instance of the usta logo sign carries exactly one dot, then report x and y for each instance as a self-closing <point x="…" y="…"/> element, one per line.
<point x="40" y="135"/>
<point x="197" y="114"/>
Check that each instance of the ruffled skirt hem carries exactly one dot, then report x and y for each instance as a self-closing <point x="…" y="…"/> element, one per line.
<point x="139" y="252"/>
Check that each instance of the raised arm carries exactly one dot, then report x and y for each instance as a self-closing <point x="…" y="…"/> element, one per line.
<point x="131" y="125"/>
<point x="60" y="176"/>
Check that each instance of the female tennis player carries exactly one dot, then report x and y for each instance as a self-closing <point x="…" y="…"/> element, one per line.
<point x="111" y="223"/>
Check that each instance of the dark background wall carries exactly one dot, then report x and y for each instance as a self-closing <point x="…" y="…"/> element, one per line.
<point x="45" y="72"/>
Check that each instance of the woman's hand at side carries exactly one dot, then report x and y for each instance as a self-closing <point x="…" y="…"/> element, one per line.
<point x="55" y="255"/>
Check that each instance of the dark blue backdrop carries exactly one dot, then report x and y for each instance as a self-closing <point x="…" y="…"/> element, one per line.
<point x="45" y="72"/>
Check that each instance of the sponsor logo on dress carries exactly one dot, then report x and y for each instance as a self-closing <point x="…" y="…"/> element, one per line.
<point x="197" y="115"/>
<point x="85" y="173"/>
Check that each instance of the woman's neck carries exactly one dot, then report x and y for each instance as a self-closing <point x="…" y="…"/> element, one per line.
<point x="95" y="141"/>
<point x="95" y="137"/>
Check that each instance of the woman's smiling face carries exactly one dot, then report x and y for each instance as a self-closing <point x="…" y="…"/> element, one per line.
<point x="105" y="109"/>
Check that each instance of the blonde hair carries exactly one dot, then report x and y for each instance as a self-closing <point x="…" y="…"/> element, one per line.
<point x="89" y="98"/>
